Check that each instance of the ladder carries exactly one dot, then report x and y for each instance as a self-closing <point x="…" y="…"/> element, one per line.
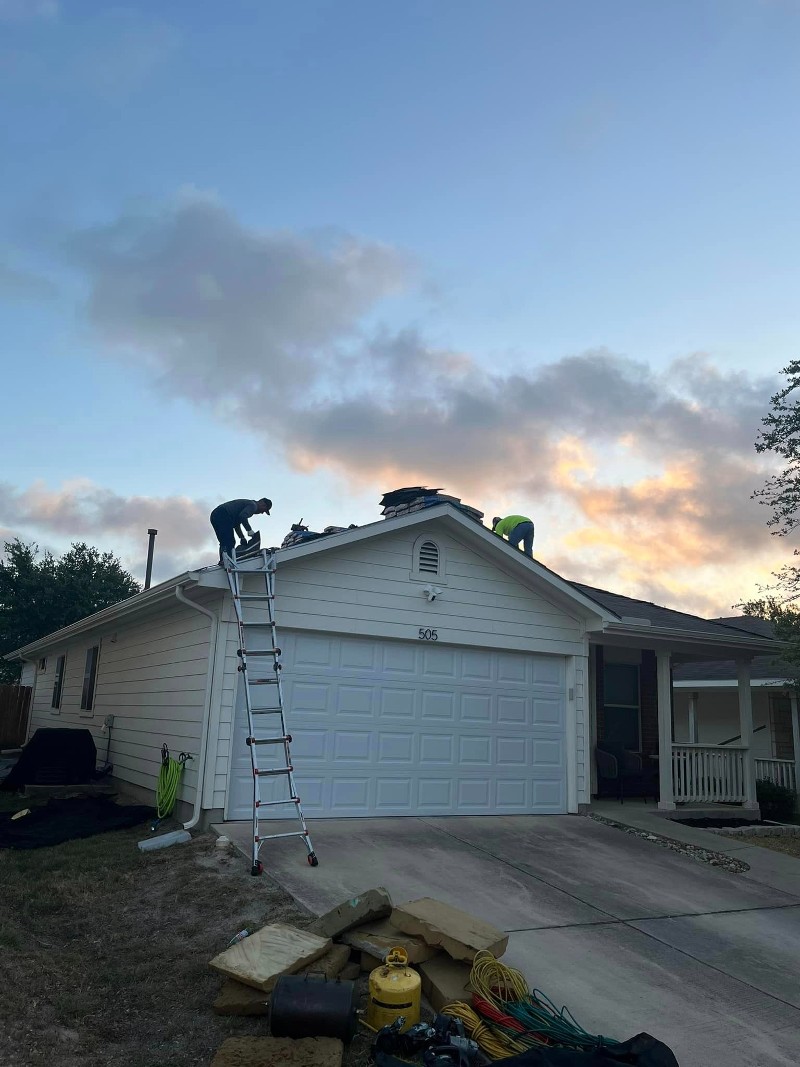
<point x="270" y="712"/>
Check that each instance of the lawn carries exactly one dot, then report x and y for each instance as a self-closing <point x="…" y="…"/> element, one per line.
<point x="789" y="844"/>
<point x="104" y="951"/>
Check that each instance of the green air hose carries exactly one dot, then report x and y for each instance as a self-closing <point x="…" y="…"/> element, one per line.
<point x="169" y="778"/>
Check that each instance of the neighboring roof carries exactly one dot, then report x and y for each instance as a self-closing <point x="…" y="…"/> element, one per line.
<point x="603" y="610"/>
<point x="761" y="667"/>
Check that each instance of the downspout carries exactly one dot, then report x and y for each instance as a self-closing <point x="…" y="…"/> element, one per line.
<point x="212" y="653"/>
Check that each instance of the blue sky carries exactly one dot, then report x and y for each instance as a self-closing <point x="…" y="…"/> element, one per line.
<point x="594" y="198"/>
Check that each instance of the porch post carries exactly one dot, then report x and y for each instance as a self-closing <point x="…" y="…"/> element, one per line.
<point x="664" y="694"/>
<point x="796" y="744"/>
<point x="746" y="731"/>
<point x="693" y="718"/>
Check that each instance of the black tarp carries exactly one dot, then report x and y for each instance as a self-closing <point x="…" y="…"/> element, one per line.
<point x="641" y="1051"/>
<point x="68" y="820"/>
<point x="54" y="757"/>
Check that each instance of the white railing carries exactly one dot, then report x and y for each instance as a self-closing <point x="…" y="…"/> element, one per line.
<point x="780" y="771"/>
<point x="708" y="774"/>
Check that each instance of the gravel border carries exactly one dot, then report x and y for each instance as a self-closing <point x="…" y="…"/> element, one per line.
<point x="704" y="855"/>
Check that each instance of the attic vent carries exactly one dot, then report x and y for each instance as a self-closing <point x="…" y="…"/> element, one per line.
<point x="429" y="558"/>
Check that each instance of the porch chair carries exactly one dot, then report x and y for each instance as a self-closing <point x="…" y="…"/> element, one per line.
<point x="621" y="773"/>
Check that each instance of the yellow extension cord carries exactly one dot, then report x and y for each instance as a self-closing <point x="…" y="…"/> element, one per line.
<point x="496" y="983"/>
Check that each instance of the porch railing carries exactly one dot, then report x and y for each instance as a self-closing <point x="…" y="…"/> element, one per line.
<point x="780" y="771"/>
<point x="708" y="774"/>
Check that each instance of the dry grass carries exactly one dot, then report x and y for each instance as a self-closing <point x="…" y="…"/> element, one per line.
<point x="104" y="951"/>
<point x="789" y="844"/>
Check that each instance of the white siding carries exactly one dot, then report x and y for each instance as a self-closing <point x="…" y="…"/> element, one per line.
<point x="151" y="677"/>
<point x="28" y="676"/>
<point x="367" y="589"/>
<point x="718" y="717"/>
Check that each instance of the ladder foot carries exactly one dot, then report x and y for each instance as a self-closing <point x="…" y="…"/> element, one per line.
<point x="257" y="869"/>
<point x="312" y="859"/>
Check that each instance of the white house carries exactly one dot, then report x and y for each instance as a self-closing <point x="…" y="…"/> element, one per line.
<point x="706" y="707"/>
<point x="488" y="699"/>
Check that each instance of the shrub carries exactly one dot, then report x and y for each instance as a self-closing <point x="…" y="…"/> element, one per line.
<point x="777" y="802"/>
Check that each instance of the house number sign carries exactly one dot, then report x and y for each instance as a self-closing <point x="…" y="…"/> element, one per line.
<point x="426" y="634"/>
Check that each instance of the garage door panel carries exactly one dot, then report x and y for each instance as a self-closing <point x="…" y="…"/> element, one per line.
<point x="387" y="728"/>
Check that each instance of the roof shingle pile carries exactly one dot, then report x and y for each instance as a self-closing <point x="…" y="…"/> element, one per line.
<point x="414" y="498"/>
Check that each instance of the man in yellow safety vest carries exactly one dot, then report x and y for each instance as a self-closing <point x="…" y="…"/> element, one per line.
<point x="518" y="529"/>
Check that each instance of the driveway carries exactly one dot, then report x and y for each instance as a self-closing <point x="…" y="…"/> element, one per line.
<point x="629" y="935"/>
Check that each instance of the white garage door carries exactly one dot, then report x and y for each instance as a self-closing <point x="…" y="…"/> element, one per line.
<point x="400" y="728"/>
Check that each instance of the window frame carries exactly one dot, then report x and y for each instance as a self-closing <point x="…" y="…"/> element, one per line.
<point x="90" y="672"/>
<point x="617" y="706"/>
<point x="418" y="575"/>
<point x="58" y="685"/>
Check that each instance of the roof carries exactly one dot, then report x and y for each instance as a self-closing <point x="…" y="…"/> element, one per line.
<point x="628" y="608"/>
<point x="761" y="667"/>
<point x="603" y="611"/>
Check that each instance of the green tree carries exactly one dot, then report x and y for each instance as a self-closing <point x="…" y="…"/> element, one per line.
<point x="781" y="493"/>
<point x="40" y="594"/>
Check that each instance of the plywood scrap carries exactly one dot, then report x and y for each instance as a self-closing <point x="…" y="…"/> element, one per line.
<point x="460" y="934"/>
<point x="273" y="950"/>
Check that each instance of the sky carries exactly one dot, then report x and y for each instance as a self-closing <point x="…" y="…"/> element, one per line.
<point x="542" y="255"/>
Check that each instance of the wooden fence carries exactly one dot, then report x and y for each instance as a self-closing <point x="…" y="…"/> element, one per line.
<point x="15" y="703"/>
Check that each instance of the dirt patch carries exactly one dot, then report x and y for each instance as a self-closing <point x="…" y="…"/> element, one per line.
<point x="790" y="845"/>
<point x="105" y="950"/>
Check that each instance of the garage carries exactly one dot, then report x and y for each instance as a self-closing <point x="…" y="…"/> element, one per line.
<point x="383" y="727"/>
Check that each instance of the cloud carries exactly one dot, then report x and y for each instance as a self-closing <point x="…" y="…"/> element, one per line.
<point x="81" y="510"/>
<point x="281" y="333"/>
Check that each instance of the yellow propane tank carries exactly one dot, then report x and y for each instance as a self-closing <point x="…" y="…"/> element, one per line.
<point x="394" y="990"/>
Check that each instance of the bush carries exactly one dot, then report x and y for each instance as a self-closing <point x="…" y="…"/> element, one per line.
<point x="777" y="802"/>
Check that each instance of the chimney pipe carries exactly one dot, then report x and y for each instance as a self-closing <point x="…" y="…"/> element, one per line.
<point x="150" y="547"/>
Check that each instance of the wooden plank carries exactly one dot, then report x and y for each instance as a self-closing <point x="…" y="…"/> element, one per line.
<point x="259" y="960"/>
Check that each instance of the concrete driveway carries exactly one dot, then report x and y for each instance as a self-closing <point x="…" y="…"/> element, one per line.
<point x="629" y="935"/>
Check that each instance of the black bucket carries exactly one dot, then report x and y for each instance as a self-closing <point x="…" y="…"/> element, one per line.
<point x="311" y="1006"/>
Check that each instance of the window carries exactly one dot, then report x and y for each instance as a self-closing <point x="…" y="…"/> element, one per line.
<point x="427" y="560"/>
<point x="43" y="663"/>
<point x="89" y="678"/>
<point x="58" y="684"/>
<point x="621" y="705"/>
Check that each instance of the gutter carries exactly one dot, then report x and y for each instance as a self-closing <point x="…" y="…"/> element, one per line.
<point x="204" y="729"/>
<point x="754" y="645"/>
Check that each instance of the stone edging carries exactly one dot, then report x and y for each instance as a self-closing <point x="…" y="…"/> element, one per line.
<point x="704" y="855"/>
<point x="777" y="830"/>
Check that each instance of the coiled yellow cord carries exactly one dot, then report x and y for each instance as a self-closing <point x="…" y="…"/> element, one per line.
<point x="495" y="1047"/>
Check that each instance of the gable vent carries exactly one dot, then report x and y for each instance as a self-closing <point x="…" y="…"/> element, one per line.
<point x="429" y="558"/>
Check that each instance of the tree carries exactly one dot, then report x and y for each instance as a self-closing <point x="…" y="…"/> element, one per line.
<point x="782" y="436"/>
<point x="41" y="594"/>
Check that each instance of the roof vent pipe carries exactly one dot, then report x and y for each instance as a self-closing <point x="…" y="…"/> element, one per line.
<point x="150" y="547"/>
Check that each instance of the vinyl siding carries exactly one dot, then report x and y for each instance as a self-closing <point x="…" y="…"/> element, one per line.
<point x="367" y="589"/>
<point x="718" y="717"/>
<point x="151" y="677"/>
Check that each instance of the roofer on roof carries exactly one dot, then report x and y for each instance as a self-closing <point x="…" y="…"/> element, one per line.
<point x="517" y="528"/>
<point x="230" y="517"/>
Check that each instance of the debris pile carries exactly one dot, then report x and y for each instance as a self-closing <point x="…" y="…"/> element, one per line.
<point x="300" y="535"/>
<point x="414" y="498"/>
<point x="477" y="1011"/>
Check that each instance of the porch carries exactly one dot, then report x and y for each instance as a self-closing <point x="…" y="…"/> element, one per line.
<point x="634" y="709"/>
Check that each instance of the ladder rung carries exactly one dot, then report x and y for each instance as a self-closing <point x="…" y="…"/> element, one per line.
<point x="275" y="803"/>
<point x="258" y="651"/>
<point x="273" y="773"/>
<point x="266" y="711"/>
<point x="286" y="739"/>
<point x="271" y="837"/>
<point x="254" y="596"/>
<point x="263" y="681"/>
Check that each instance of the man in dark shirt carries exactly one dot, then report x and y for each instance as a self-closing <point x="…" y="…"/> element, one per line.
<point x="230" y="517"/>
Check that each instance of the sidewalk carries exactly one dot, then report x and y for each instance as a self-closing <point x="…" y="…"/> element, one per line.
<point x="766" y="867"/>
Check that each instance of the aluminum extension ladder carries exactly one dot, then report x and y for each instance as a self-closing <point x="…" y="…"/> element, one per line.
<point x="271" y="713"/>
